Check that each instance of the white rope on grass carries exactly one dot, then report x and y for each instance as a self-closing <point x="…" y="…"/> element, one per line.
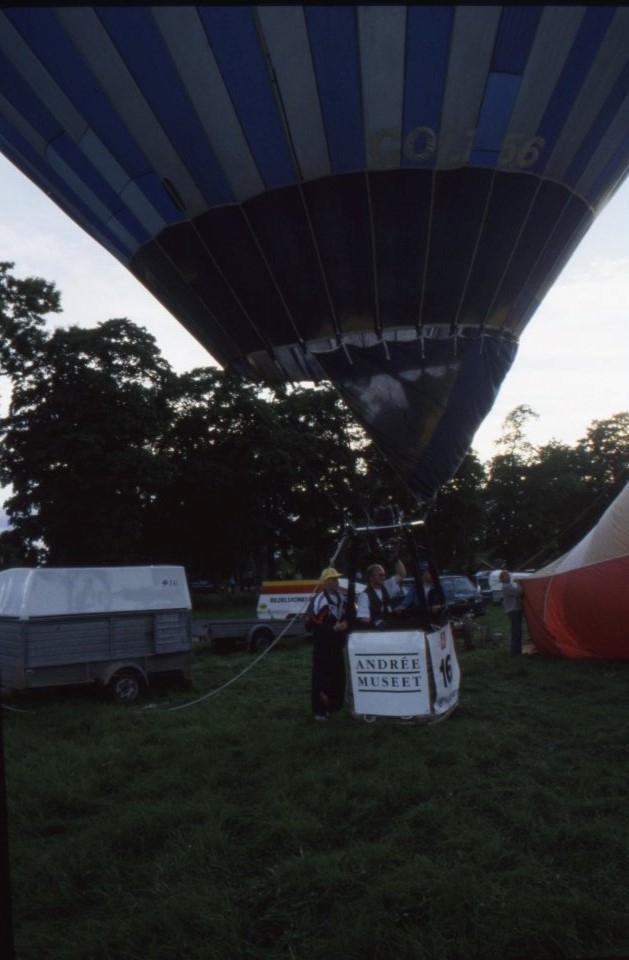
<point x="228" y="683"/>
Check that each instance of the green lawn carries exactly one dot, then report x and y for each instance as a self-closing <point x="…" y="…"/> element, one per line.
<point x="238" y="829"/>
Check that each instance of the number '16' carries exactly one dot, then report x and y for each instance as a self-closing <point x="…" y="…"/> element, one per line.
<point x="445" y="668"/>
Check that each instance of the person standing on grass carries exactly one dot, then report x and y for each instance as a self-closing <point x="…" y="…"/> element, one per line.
<point x="329" y="633"/>
<point x="512" y="603"/>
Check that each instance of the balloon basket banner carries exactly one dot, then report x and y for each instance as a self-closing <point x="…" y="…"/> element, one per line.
<point x="403" y="675"/>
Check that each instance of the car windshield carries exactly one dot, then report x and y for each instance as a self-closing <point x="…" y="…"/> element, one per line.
<point x="457" y="585"/>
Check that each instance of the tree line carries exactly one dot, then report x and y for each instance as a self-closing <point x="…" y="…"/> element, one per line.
<point x="112" y="457"/>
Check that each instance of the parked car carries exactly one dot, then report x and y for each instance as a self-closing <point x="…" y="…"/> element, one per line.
<point x="461" y="595"/>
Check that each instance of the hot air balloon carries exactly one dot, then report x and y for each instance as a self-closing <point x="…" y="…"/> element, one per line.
<point x="578" y="606"/>
<point x="379" y="196"/>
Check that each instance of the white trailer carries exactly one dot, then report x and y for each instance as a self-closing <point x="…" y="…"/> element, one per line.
<point x="119" y="627"/>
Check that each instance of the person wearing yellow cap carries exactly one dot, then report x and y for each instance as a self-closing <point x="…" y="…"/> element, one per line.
<point x="329" y="633"/>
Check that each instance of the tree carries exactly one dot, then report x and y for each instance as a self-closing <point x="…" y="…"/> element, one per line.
<point x="79" y="442"/>
<point x="327" y="467"/>
<point x="457" y="522"/>
<point x="556" y="499"/>
<point x="115" y="459"/>
<point x="262" y="480"/>
<point x="15" y="553"/>
<point x="511" y="536"/>
<point x="23" y="308"/>
<point x="209" y="514"/>
<point x="605" y="452"/>
<point x="542" y="501"/>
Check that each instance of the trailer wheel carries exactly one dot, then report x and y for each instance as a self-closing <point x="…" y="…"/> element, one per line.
<point x="126" y="686"/>
<point x="260" y="638"/>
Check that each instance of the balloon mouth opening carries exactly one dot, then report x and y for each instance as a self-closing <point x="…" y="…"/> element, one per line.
<point x="300" y="361"/>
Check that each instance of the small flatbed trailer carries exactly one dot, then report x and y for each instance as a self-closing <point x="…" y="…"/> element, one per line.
<point x="255" y="633"/>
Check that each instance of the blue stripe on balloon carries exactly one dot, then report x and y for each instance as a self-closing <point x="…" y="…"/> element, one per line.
<point x="58" y="55"/>
<point x="232" y="34"/>
<point x="500" y="95"/>
<point x="37" y="115"/>
<point x="334" y="47"/>
<point x="586" y="45"/>
<point x="427" y="48"/>
<point x="515" y="36"/>
<point x="133" y="31"/>
<point x="36" y="168"/>
<point x="605" y="116"/>
<point x="611" y="173"/>
<point x="70" y="153"/>
<point x="26" y="102"/>
<point x="49" y="41"/>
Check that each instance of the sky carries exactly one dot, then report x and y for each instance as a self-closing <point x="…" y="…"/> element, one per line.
<point x="572" y="365"/>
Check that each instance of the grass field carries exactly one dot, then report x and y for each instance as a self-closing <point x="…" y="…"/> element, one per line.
<point x="238" y="829"/>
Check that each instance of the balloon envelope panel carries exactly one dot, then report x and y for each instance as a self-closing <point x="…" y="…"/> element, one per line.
<point x="578" y="606"/>
<point x="304" y="187"/>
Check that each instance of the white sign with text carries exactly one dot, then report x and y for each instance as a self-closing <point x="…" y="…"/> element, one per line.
<point x="389" y="673"/>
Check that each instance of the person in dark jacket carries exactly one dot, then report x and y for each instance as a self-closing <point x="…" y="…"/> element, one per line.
<point x="329" y="634"/>
<point x="376" y="603"/>
<point x="430" y="600"/>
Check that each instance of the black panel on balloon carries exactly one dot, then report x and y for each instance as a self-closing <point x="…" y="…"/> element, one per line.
<point x="538" y="232"/>
<point x="459" y="202"/>
<point x="400" y="205"/>
<point x="156" y="271"/>
<point x="198" y="269"/>
<point x="227" y="235"/>
<point x="280" y="222"/>
<point x="509" y="206"/>
<point x="571" y="221"/>
<point x="339" y="208"/>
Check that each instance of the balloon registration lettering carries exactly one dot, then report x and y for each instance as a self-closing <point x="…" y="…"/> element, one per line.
<point x="518" y="151"/>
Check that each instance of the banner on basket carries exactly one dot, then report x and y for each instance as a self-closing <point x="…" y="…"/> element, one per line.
<point x="389" y="673"/>
<point x="445" y="669"/>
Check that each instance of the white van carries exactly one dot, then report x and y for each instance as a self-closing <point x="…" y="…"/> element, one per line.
<point x="285" y="599"/>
